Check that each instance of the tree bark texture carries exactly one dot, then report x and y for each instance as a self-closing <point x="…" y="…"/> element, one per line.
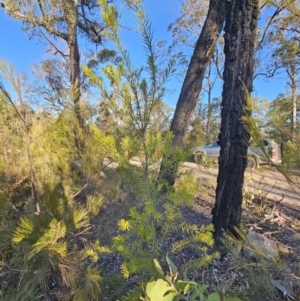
<point x="75" y="78"/>
<point x="240" y="33"/>
<point x="192" y="85"/>
<point x="292" y="74"/>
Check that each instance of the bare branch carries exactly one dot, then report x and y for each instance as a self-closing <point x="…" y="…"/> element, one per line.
<point x="36" y="22"/>
<point x="6" y="94"/>
<point x="53" y="45"/>
<point x="269" y="73"/>
<point x="216" y="61"/>
<point x="41" y="8"/>
<point x="277" y="12"/>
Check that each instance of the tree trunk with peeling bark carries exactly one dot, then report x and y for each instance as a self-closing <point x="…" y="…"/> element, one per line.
<point x="192" y="85"/>
<point x="240" y="33"/>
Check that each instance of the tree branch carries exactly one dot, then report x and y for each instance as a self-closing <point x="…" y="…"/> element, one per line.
<point x="35" y="22"/>
<point x="278" y="10"/>
<point x="216" y="61"/>
<point x="52" y="44"/>
<point x="268" y="74"/>
<point x="41" y="8"/>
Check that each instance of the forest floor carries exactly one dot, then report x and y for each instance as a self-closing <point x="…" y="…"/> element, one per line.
<point x="271" y="208"/>
<point x="271" y="183"/>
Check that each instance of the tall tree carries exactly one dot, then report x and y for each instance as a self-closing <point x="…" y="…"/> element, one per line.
<point x="240" y="34"/>
<point x="288" y="55"/>
<point x="192" y="85"/>
<point x="282" y="37"/>
<point x="60" y="20"/>
<point x="210" y="83"/>
<point x="280" y="121"/>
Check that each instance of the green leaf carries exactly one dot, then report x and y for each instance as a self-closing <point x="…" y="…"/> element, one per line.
<point x="185" y="286"/>
<point x="171" y="265"/>
<point x="187" y="289"/>
<point x="185" y="277"/>
<point x="180" y="285"/>
<point x="169" y="297"/>
<point x="157" y="291"/>
<point x="214" y="297"/>
<point x="201" y="288"/>
<point x="158" y="267"/>
<point x="194" y="295"/>
<point x="168" y="278"/>
<point x="150" y="288"/>
<point x="188" y="282"/>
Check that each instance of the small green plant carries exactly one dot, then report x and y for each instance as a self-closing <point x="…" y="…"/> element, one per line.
<point x="252" y="191"/>
<point x="258" y="267"/>
<point x="156" y="224"/>
<point x="248" y="193"/>
<point x="170" y="288"/>
<point x="203" y="160"/>
<point x="52" y="246"/>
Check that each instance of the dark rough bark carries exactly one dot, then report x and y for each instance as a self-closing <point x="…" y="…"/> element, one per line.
<point x="192" y="85"/>
<point x="240" y="32"/>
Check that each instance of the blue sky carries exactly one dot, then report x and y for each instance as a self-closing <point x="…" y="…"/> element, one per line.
<point x="18" y="49"/>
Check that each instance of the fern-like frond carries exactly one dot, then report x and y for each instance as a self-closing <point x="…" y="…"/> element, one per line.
<point x="94" y="204"/>
<point x="80" y="217"/>
<point x="189" y="228"/>
<point x="50" y="240"/>
<point x="24" y="230"/>
<point x="138" y="265"/>
<point x="133" y="294"/>
<point x="55" y="199"/>
<point x="199" y="263"/>
<point x="89" y="286"/>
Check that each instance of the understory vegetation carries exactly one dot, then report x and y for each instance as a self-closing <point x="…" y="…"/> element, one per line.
<point x="84" y="214"/>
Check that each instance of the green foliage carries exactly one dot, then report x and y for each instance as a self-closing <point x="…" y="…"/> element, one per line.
<point x="49" y="252"/>
<point x="153" y="226"/>
<point x="251" y="191"/>
<point x="44" y="245"/>
<point x="279" y="127"/>
<point x="169" y="287"/>
<point x="134" y="96"/>
<point x="259" y="271"/>
<point x="279" y="118"/>
<point x="196" y="135"/>
<point x="133" y="294"/>
<point x="205" y="124"/>
<point x="94" y="204"/>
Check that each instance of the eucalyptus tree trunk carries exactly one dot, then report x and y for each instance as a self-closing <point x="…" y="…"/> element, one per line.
<point x="75" y="69"/>
<point x="292" y="74"/>
<point x="240" y="33"/>
<point x="209" y="105"/>
<point x="192" y="85"/>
